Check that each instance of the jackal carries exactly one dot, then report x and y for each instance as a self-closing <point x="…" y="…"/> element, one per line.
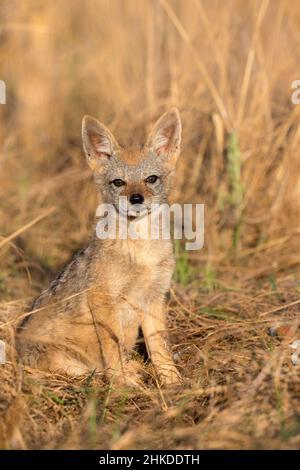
<point x="90" y="315"/>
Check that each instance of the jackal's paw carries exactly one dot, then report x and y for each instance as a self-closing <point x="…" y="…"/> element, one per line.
<point x="126" y="380"/>
<point x="130" y="376"/>
<point x="170" y="376"/>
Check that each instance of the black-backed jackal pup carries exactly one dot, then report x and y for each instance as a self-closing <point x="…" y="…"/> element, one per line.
<point x="90" y="315"/>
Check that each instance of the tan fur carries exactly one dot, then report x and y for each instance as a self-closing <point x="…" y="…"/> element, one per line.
<point x="89" y="316"/>
<point x="132" y="155"/>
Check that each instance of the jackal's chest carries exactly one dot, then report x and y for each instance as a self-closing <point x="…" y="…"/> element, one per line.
<point x="134" y="276"/>
<point x="150" y="259"/>
<point x="143" y="272"/>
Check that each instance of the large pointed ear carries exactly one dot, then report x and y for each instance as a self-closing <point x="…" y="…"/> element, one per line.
<point x="165" y="138"/>
<point x="98" y="142"/>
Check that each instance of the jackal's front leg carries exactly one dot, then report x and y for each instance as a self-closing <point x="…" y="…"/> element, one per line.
<point x="154" y="330"/>
<point x="113" y="355"/>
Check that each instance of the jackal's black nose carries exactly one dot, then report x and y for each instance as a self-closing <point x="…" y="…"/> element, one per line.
<point x="136" y="199"/>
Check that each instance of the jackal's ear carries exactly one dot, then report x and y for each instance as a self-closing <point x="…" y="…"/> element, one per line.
<point x="98" y="142"/>
<point x="165" y="137"/>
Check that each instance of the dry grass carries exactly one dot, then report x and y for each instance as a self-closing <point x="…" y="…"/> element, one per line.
<point x="228" y="66"/>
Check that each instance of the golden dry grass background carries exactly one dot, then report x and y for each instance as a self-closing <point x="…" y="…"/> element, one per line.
<point x="228" y="66"/>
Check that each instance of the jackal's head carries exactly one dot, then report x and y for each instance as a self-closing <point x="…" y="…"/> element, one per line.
<point x="142" y="175"/>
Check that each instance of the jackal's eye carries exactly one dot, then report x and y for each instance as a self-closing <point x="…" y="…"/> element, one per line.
<point x="118" y="183"/>
<point x="152" y="179"/>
